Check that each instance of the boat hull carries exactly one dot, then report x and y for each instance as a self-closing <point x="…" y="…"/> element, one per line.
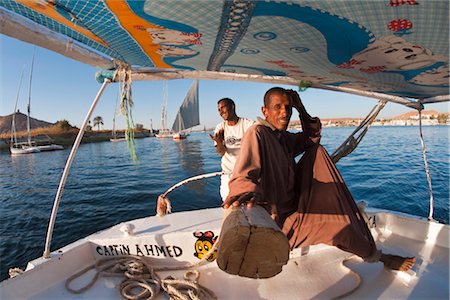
<point x="52" y="147"/>
<point x="24" y="150"/>
<point x="164" y="136"/>
<point x="179" y="136"/>
<point x="170" y="241"/>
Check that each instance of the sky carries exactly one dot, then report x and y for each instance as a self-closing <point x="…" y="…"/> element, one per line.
<point x="63" y="88"/>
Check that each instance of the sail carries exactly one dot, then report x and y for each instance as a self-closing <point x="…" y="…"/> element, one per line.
<point x="188" y="114"/>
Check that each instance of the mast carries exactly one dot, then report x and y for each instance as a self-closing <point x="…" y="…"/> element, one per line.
<point x="114" y="135"/>
<point x="164" y="109"/>
<point x="13" y="123"/>
<point x="114" y="126"/>
<point x="29" y="100"/>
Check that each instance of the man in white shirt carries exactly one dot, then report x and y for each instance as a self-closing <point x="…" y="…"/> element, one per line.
<point x="227" y="139"/>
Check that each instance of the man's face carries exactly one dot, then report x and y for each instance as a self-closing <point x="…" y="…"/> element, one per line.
<point x="279" y="111"/>
<point x="225" y="110"/>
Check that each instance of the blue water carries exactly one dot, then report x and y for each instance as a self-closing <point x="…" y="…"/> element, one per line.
<point x="105" y="187"/>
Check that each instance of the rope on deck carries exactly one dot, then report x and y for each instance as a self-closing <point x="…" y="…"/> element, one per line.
<point x="142" y="282"/>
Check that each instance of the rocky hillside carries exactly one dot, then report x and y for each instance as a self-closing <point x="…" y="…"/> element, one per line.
<point x="21" y="123"/>
<point x="415" y="114"/>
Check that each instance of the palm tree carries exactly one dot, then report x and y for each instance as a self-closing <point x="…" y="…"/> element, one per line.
<point x="98" y="121"/>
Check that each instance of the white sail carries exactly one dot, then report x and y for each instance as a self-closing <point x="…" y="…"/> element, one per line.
<point x="164" y="106"/>
<point x="188" y="114"/>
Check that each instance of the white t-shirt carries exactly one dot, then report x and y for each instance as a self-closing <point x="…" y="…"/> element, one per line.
<point x="232" y="139"/>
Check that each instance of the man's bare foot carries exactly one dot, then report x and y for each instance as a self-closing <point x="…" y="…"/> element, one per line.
<point x="395" y="262"/>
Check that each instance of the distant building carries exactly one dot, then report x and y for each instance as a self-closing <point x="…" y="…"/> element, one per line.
<point x="429" y="118"/>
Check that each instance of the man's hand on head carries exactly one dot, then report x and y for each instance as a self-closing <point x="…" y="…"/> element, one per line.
<point x="295" y="99"/>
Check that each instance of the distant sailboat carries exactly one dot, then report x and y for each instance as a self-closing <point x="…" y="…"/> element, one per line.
<point x="164" y="132"/>
<point x="29" y="146"/>
<point x="151" y="131"/>
<point x="188" y="114"/>
<point x="22" y="147"/>
<point x="114" y="137"/>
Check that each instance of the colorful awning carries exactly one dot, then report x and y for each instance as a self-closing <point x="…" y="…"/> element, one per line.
<point x="393" y="47"/>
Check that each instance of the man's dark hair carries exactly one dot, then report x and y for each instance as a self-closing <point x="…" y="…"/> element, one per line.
<point x="271" y="91"/>
<point x="228" y="101"/>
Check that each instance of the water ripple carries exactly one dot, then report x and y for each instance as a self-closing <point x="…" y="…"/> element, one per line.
<point x="105" y="187"/>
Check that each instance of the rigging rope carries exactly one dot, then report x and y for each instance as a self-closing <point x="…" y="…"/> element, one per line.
<point x="164" y="205"/>
<point x="427" y="170"/>
<point x="351" y="142"/>
<point x="126" y="105"/>
<point x="304" y="85"/>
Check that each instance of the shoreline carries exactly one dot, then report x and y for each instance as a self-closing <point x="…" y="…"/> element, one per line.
<point x="67" y="139"/>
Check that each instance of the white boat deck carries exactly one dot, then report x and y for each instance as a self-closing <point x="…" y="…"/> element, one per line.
<point x="317" y="273"/>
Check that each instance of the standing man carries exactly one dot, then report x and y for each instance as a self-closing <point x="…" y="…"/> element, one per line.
<point x="227" y="139"/>
<point x="309" y="200"/>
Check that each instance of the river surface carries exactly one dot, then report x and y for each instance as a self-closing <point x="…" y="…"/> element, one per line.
<point x="105" y="187"/>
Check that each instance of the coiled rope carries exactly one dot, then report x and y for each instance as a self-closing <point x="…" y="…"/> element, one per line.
<point x="141" y="280"/>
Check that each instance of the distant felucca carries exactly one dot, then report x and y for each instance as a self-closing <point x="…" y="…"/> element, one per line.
<point x="21" y="147"/>
<point x="114" y="132"/>
<point x="29" y="146"/>
<point x="164" y="132"/>
<point x="188" y="114"/>
<point x="151" y="131"/>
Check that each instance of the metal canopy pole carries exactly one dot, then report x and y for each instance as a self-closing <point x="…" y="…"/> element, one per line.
<point x="351" y="142"/>
<point x="427" y="170"/>
<point x="74" y="150"/>
<point x="164" y="74"/>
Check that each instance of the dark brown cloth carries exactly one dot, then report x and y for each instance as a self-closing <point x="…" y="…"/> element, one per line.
<point x="326" y="210"/>
<point x="312" y="203"/>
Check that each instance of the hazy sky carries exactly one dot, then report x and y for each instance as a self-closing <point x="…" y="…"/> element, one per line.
<point x="63" y="88"/>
